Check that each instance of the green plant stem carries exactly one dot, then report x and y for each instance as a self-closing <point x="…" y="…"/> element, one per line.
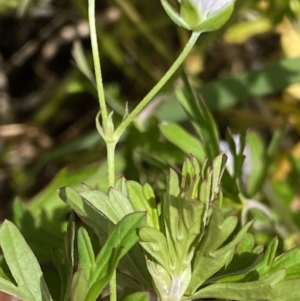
<point x="110" y="147"/>
<point x="125" y="123"/>
<point x="97" y="65"/>
<point x="103" y="110"/>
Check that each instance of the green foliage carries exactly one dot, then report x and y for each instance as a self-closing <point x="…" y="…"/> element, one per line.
<point x="92" y="274"/>
<point x="25" y="269"/>
<point x="197" y="211"/>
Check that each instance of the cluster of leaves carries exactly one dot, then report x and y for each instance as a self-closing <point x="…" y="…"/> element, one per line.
<point x="191" y="248"/>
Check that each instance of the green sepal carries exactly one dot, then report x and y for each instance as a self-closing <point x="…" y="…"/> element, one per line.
<point x="217" y="21"/>
<point x="190" y="14"/>
<point x="173" y="14"/>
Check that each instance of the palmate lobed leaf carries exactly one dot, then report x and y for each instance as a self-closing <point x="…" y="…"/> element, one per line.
<point x="114" y="206"/>
<point x="23" y="265"/>
<point x="218" y="231"/>
<point x="86" y="213"/>
<point x="262" y="289"/>
<point x="86" y="261"/>
<point x="182" y="219"/>
<point x="94" y="217"/>
<point x="289" y="261"/>
<point x="245" y="258"/>
<point x="211" y="256"/>
<point x="134" y="261"/>
<point x="264" y="267"/>
<point x="260" y="268"/>
<point x="287" y="290"/>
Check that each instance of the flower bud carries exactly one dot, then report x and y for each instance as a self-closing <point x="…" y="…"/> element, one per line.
<point x="200" y="15"/>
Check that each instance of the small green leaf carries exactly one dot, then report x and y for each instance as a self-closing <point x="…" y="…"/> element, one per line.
<point x="22" y="263"/>
<point x="183" y="140"/>
<point x="69" y="240"/>
<point x="205" y="262"/>
<point x="79" y="286"/>
<point x="119" y="242"/>
<point x="86" y="256"/>
<point x="81" y="61"/>
<point x="201" y="117"/>
<point x="289" y="261"/>
<point x="64" y="259"/>
<point x="256" y="290"/>
<point x="134" y="261"/>
<point x="138" y="296"/>
<point x="87" y="213"/>
<point x="286" y="291"/>
<point x="155" y="243"/>
<point x="263" y="267"/>
<point x="173" y="183"/>
<point x="219" y="164"/>
<point x="232" y="244"/>
<point x="205" y="268"/>
<point x="182" y="218"/>
<point x="9" y="288"/>
<point x="114" y="206"/>
<point x="190" y="172"/>
<point x="121" y="185"/>
<point x="258" y="163"/>
<point x="142" y="198"/>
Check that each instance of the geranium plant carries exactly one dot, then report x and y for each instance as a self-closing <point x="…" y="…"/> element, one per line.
<point x="172" y="244"/>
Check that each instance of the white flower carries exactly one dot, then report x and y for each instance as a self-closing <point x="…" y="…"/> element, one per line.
<point x="200" y="15"/>
<point x="247" y="164"/>
<point x="208" y="8"/>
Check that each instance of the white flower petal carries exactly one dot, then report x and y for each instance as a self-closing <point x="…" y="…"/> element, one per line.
<point x="208" y="8"/>
<point x="206" y="14"/>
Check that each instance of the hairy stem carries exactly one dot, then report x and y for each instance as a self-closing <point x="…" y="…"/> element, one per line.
<point x="122" y="127"/>
<point x="97" y="65"/>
